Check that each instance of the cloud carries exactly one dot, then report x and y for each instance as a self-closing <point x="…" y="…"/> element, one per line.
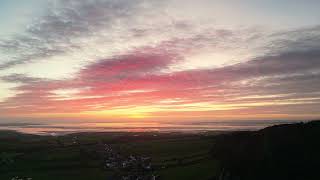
<point x="100" y="29"/>
<point x="136" y="79"/>
<point x="132" y="54"/>
<point x="65" y="23"/>
<point x="133" y="65"/>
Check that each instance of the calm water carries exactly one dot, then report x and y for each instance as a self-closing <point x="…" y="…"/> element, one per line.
<point x="64" y="128"/>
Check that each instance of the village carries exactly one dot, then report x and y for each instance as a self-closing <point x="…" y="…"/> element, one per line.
<point x="130" y="167"/>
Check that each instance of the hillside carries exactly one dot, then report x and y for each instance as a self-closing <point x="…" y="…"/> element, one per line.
<point x="290" y="151"/>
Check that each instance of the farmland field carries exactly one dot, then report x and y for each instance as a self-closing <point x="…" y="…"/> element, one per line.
<point x="79" y="156"/>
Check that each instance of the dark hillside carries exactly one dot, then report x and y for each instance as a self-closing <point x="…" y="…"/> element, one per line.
<point x="290" y="151"/>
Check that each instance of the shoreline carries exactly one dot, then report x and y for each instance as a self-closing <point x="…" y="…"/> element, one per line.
<point x="136" y="127"/>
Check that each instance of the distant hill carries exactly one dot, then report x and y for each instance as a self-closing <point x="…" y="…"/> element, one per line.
<point x="8" y="134"/>
<point x="286" y="152"/>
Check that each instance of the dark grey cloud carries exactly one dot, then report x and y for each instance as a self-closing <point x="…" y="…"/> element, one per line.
<point x="297" y="40"/>
<point x="56" y="31"/>
<point x="20" y="78"/>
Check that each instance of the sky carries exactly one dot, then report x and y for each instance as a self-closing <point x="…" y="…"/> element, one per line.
<point x="168" y="60"/>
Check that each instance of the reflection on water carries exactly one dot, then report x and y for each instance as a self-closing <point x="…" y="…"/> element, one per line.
<point x="65" y="128"/>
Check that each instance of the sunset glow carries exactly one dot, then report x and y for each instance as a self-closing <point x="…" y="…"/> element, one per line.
<point x="168" y="60"/>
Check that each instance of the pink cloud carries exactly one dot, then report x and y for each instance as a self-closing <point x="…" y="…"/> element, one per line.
<point x="137" y="79"/>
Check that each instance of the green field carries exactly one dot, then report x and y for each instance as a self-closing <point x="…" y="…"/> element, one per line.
<point x="77" y="156"/>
